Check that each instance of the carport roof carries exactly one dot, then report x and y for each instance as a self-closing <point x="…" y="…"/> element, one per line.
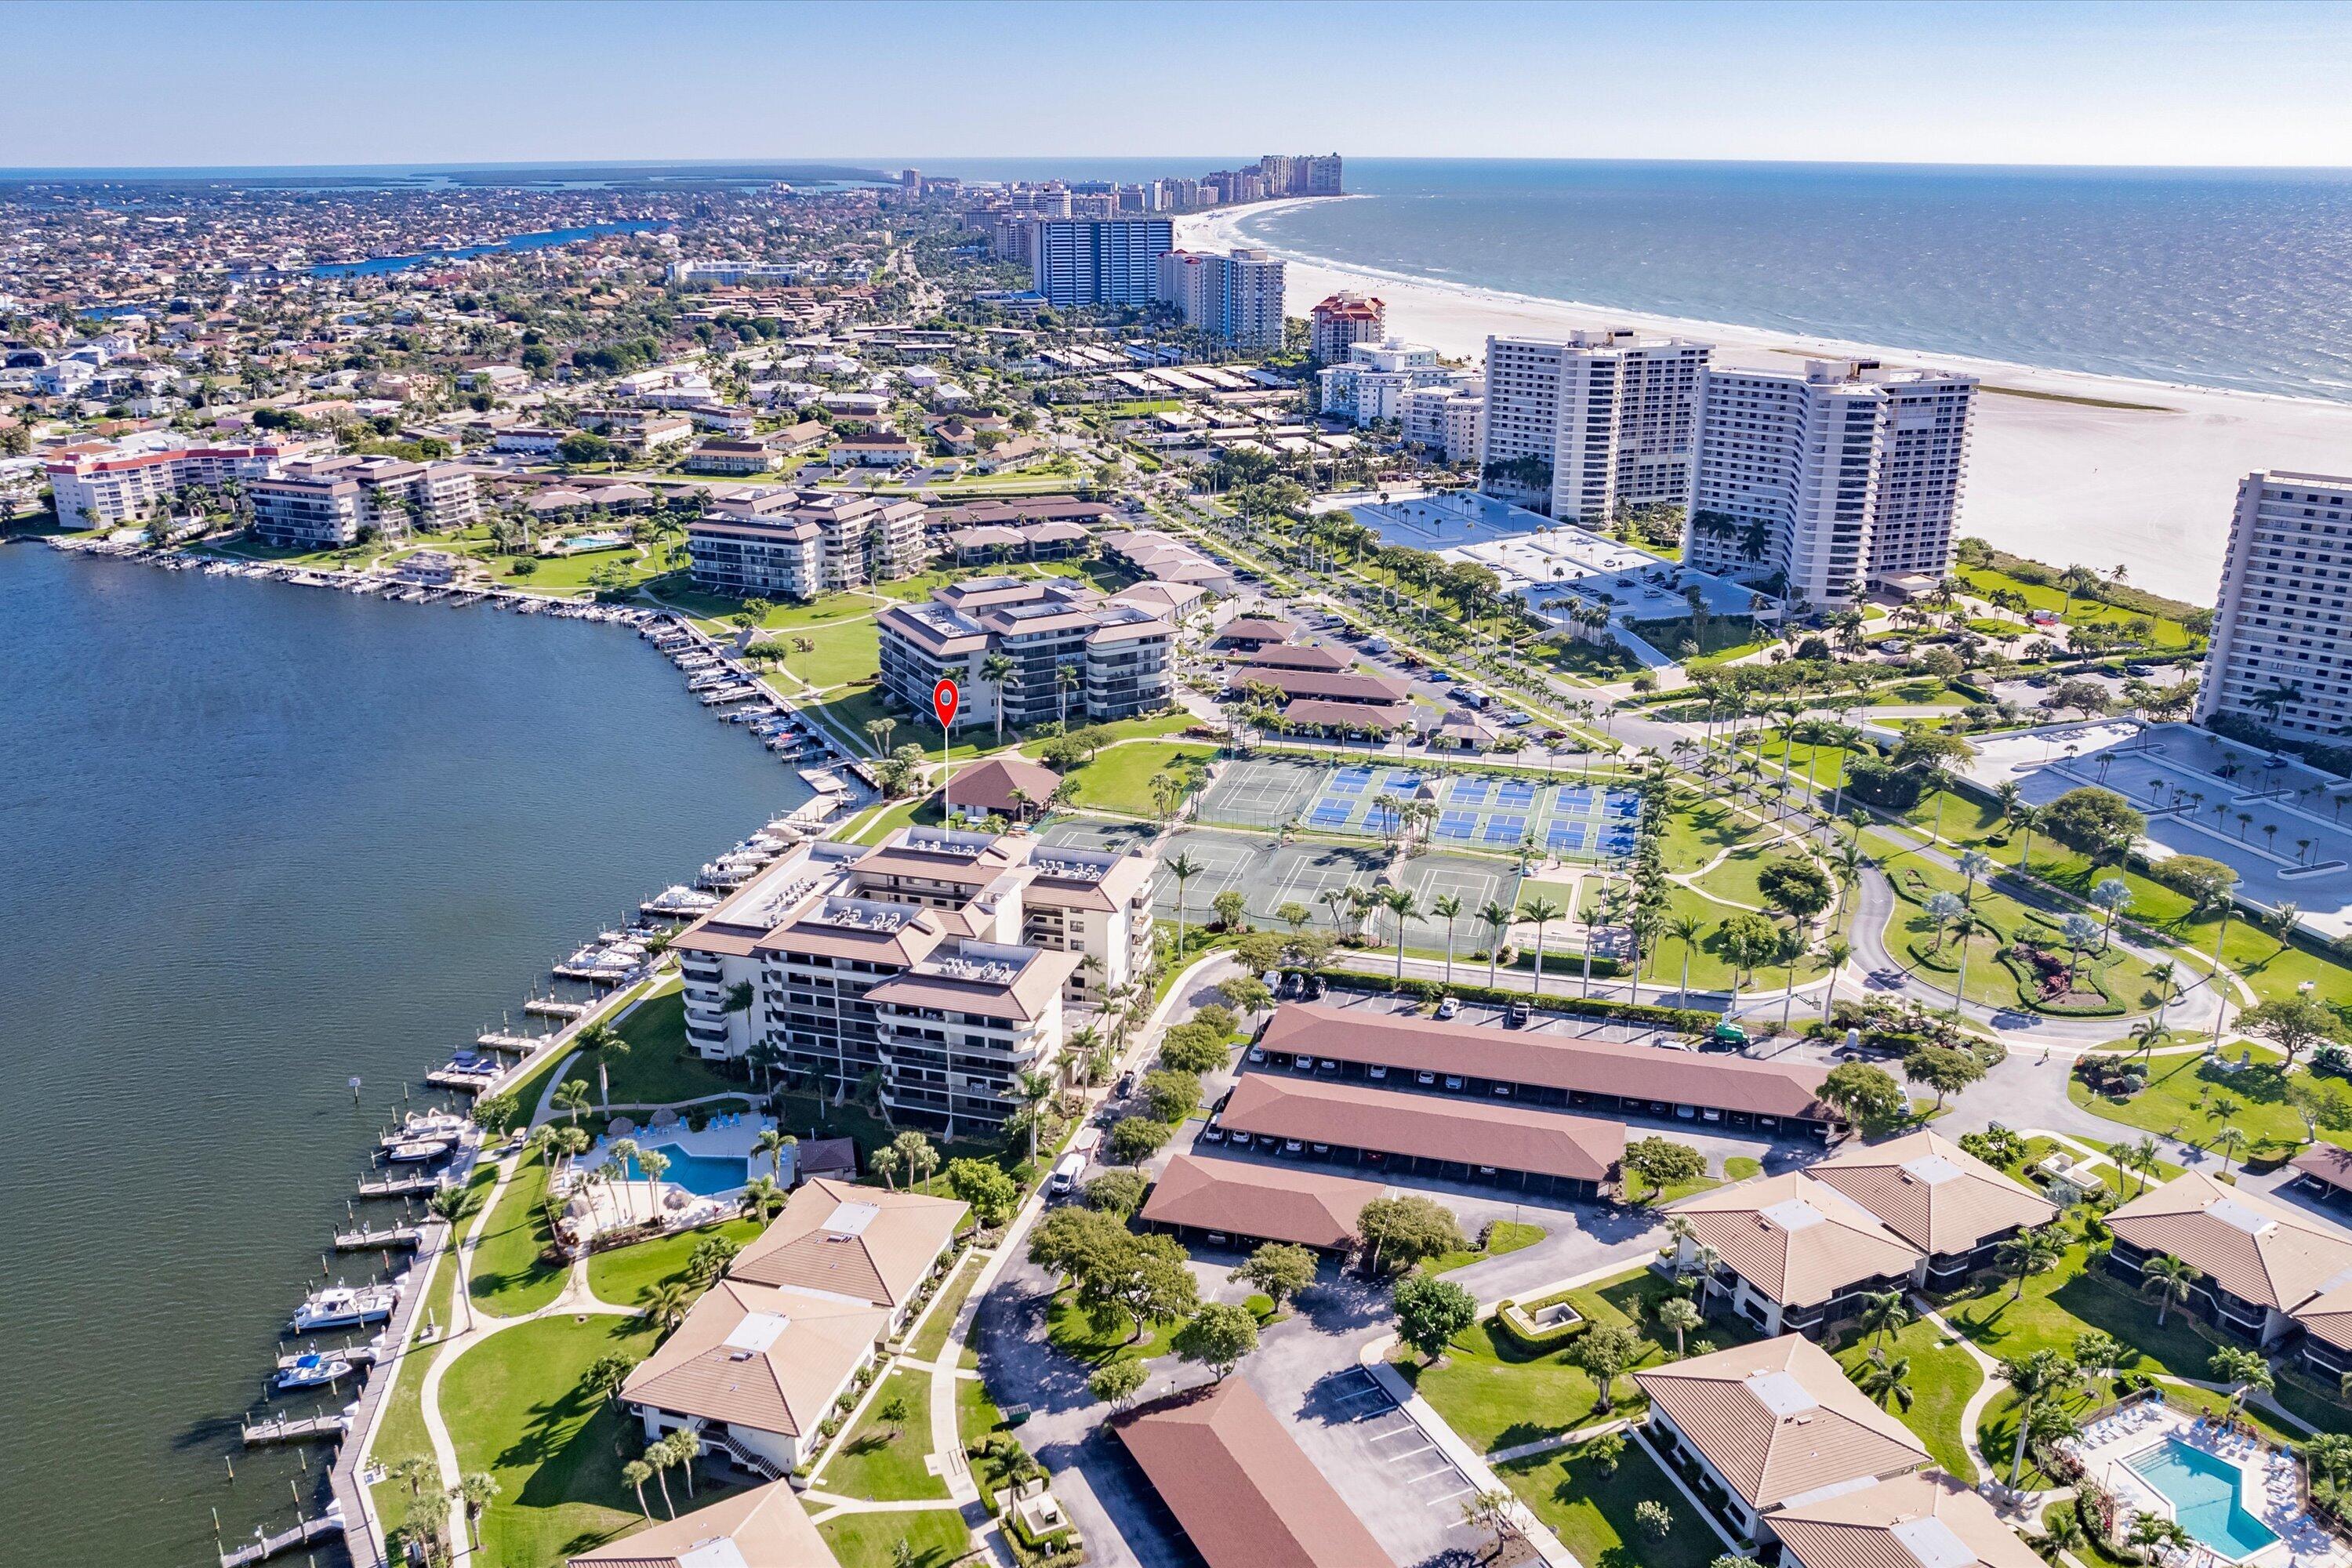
<point x="1265" y="1202"/>
<point x="1426" y="1126"/>
<point x="1548" y="1061"/>
<point x="1243" y="1490"/>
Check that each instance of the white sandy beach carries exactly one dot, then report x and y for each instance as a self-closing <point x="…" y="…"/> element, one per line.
<point x="2150" y="488"/>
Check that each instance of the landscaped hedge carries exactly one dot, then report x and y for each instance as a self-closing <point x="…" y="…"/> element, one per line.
<point x="1686" y="1020"/>
<point x="2029" y="991"/>
<point x="1517" y="1322"/>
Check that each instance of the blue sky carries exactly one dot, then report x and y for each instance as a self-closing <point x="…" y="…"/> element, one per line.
<point x="173" y="84"/>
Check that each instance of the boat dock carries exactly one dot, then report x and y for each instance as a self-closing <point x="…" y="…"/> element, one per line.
<point x="495" y="1041"/>
<point x="296" y="1430"/>
<point x="549" y="1007"/>
<point x="421" y="1182"/>
<point x="366" y="1239"/>
<point x="263" y="1547"/>
<point x="358" y="1355"/>
<point x="450" y="1078"/>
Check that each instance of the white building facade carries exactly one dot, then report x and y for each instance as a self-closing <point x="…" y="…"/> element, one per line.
<point x="1373" y="384"/>
<point x="1576" y="426"/>
<point x="1837" y="480"/>
<point x="2280" y="654"/>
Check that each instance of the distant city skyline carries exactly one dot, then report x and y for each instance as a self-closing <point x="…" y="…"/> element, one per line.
<point x="234" y="85"/>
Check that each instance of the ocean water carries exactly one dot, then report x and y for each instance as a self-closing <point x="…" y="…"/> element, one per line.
<point x="2238" y="279"/>
<point x="256" y="839"/>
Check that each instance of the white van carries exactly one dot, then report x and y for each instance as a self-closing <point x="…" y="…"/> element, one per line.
<point x="1067" y="1172"/>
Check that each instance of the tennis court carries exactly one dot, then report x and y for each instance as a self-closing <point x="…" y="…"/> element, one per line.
<point x="1268" y="875"/>
<point x="1087" y="833"/>
<point x="1253" y="793"/>
<point x="1569" y="821"/>
<point x="1475" y="882"/>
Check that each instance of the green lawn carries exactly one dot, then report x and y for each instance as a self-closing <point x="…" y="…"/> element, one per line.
<point x="849" y="651"/>
<point x="936" y="1536"/>
<point x="1120" y="779"/>
<point x="2168" y="633"/>
<point x="1697" y="830"/>
<point x="1497" y="1396"/>
<point x="1711" y="969"/>
<point x="1593" y="1513"/>
<point x="939" y="1322"/>
<point x="622" y="1276"/>
<point x="1943" y="1376"/>
<point x="976" y="1413"/>
<point x="400" y="1430"/>
<point x="1504" y="1236"/>
<point x="1077" y="1333"/>
<point x="883" y="1462"/>
<point x="2069" y="1300"/>
<point x="2182" y="1094"/>
<point x="509" y="1278"/>
<point x="516" y="1410"/>
<point x="658" y="1069"/>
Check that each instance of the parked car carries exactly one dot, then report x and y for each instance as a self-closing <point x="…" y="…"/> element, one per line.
<point x="1125" y="1085"/>
<point x="1514" y="1017"/>
<point x="1448" y="1006"/>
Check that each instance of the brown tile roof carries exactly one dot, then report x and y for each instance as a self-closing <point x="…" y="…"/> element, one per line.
<point x="1796" y="1240"/>
<point x="1245" y="1493"/>
<point x="989" y="785"/>
<point x="1293" y="656"/>
<point x="1318" y="713"/>
<point x="2256" y="1250"/>
<point x="1926" y="1520"/>
<point x="1551" y="1061"/>
<point x="767" y="1525"/>
<point x="1329" y="684"/>
<point x="1028" y="996"/>
<point x="1255" y="628"/>
<point x="2330" y="1162"/>
<point x="863" y="1244"/>
<point x="1426" y="1126"/>
<point x="1932" y="1193"/>
<point x="1780" y="1419"/>
<point x="1267" y="1202"/>
<point x="792" y="1351"/>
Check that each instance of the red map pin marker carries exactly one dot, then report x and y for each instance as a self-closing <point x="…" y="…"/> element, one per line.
<point x="943" y="702"/>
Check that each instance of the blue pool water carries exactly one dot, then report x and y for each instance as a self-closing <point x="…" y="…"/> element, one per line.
<point x="705" y="1175"/>
<point x="2203" y="1490"/>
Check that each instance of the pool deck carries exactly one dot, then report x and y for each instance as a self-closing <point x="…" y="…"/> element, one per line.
<point x="638" y="1202"/>
<point x="2266" y="1484"/>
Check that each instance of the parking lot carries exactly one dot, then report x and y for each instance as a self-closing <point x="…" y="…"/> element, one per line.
<point x="1377" y="1443"/>
<point x="1268" y="875"/>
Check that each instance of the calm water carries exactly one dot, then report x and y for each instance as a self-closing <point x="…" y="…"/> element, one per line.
<point x="2237" y="279"/>
<point x="255" y="839"/>
<point x="545" y="239"/>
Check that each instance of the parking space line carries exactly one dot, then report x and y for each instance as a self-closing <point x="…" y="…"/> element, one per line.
<point x="1384" y="1436"/>
<point x="1442" y="1470"/>
<point x="1363" y="1392"/>
<point x="1449" y="1497"/>
<point x="1404" y="1454"/>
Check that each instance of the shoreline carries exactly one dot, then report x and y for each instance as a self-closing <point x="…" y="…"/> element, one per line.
<point x="2065" y="466"/>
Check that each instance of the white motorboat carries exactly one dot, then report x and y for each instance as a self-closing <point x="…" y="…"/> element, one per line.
<point x="346" y="1306"/>
<point x="416" y="1151"/>
<point x="313" y="1371"/>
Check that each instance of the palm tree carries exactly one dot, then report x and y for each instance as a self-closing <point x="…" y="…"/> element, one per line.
<point x="601" y="1042"/>
<point x="1497" y="918"/>
<point x="2142" y="1157"/>
<point x="1837" y="951"/>
<point x="761" y="1198"/>
<point x="634" y="1476"/>
<point x="2027" y="818"/>
<point x="571" y="1097"/>
<point x="772" y="1143"/>
<point x="687" y="1444"/>
<point x="2172" y="1278"/>
<point x="1679" y="1313"/>
<point x="996" y="669"/>
<point x="2029" y="1252"/>
<point x="1685" y="929"/>
<point x="661" y="1457"/>
<point x="665" y="1302"/>
<point x="2033" y="1380"/>
<point x="475" y="1491"/>
<point x="1885" y="1380"/>
<point x="1883" y="1313"/>
<point x="1400" y="903"/>
<point x="1032" y="1089"/>
<point x="1183" y="869"/>
<point x="1447" y="908"/>
<point x="1067" y="680"/>
<point x="1542" y="911"/>
<point x="2231" y="1141"/>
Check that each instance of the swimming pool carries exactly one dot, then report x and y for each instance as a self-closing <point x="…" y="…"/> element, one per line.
<point x="704" y="1175"/>
<point x="2204" y="1491"/>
